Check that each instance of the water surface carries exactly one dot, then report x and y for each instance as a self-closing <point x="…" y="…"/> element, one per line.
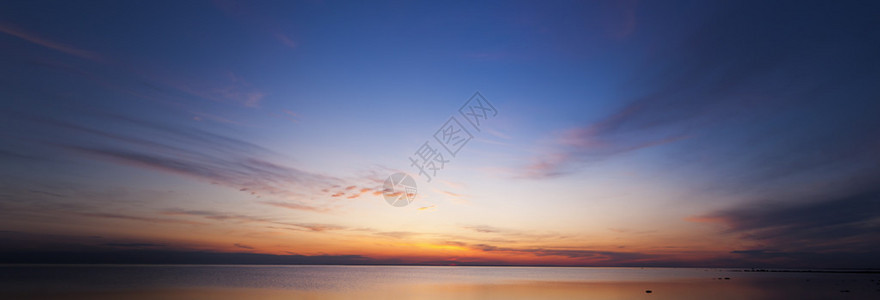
<point x="421" y="282"/>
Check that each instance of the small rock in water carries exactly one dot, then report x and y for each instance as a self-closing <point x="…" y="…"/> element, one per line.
<point x="726" y="278"/>
<point x="648" y="291"/>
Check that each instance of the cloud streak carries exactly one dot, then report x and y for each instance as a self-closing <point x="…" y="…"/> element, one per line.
<point x="199" y="154"/>
<point x="837" y="223"/>
<point x="36" y="39"/>
<point x="240" y="218"/>
<point x="138" y="218"/>
<point x="608" y="257"/>
<point x="705" y="86"/>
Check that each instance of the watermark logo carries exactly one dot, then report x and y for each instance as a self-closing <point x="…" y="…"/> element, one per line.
<point x="477" y="108"/>
<point x="452" y="136"/>
<point x="429" y="158"/>
<point x="400" y="189"/>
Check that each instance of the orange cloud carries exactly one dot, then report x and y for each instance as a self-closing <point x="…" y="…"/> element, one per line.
<point x="705" y="219"/>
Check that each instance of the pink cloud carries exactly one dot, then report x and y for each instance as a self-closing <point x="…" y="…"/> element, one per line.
<point x="33" y="38"/>
<point x="620" y="18"/>
<point x="285" y="40"/>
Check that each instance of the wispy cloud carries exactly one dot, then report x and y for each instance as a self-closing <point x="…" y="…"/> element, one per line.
<point x="201" y="154"/>
<point x="286" y="40"/>
<point x="135" y="245"/>
<point x="138" y="218"/>
<point x="428" y="208"/>
<point x="593" y="255"/>
<point x="512" y="234"/>
<point x="454" y="197"/>
<point x="619" y="18"/>
<point x="320" y="227"/>
<point x="246" y="14"/>
<point x="199" y="116"/>
<point x="217" y="216"/>
<point x="369" y="184"/>
<point x="227" y="87"/>
<point x="837" y="223"/>
<point x="243" y="246"/>
<point x="292" y="116"/>
<point x="295" y="206"/>
<point x="241" y="218"/>
<point x="36" y="39"/>
<point x="583" y="145"/>
<point x="398" y="234"/>
<point x="483" y="228"/>
<point x="720" y="86"/>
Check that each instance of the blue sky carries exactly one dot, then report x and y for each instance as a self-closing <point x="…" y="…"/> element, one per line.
<point x="627" y="133"/>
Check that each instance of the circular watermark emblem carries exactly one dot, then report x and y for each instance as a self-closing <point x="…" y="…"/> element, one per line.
<point x="399" y="189"/>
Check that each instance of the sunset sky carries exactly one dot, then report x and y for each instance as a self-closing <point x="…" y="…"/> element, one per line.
<point x="655" y="133"/>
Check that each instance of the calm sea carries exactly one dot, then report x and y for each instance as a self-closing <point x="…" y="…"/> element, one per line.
<point x="419" y="282"/>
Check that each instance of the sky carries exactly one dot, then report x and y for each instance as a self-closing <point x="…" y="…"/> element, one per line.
<point x="612" y="133"/>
